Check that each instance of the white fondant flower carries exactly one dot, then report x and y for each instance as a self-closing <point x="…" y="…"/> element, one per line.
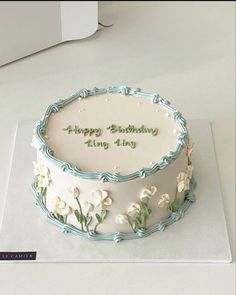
<point x="182" y="182"/>
<point x="40" y="169"/>
<point x="102" y="198"/>
<point x="43" y="181"/>
<point x="42" y="172"/>
<point x="74" y="190"/>
<point x="56" y="201"/>
<point x="189" y="149"/>
<point x="164" y="200"/>
<point x="61" y="207"/>
<point x="67" y="210"/>
<point x="148" y="193"/>
<point x="183" y="179"/>
<point x="122" y="218"/>
<point x="88" y="206"/>
<point x="134" y="209"/>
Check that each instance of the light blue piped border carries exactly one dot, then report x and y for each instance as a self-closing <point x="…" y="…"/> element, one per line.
<point x="119" y="236"/>
<point x="40" y="130"/>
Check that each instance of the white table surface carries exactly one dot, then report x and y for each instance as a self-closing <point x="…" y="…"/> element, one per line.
<point x="183" y="50"/>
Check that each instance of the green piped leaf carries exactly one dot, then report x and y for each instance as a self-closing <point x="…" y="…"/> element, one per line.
<point x="143" y="205"/>
<point x="174" y="206"/>
<point x="89" y="220"/>
<point x="103" y="214"/>
<point x="78" y="216"/>
<point x="60" y="217"/>
<point x="99" y="219"/>
<point x="134" y="225"/>
<point x="143" y="218"/>
<point x="146" y="208"/>
<point x="138" y="221"/>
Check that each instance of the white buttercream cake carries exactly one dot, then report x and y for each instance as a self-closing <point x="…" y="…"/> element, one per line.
<point x="113" y="164"/>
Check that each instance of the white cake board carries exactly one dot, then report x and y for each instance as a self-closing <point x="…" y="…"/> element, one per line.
<point x="201" y="236"/>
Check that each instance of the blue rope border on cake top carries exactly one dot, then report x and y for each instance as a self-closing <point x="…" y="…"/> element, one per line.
<point x="40" y="130"/>
<point x="119" y="236"/>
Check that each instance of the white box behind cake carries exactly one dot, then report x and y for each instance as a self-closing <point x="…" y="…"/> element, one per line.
<point x="30" y="26"/>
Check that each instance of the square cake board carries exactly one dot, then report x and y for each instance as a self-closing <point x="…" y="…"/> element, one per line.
<point x="201" y="236"/>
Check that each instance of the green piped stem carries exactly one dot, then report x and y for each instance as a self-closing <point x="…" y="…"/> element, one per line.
<point x="81" y="213"/>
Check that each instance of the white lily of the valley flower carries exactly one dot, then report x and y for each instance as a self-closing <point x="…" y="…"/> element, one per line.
<point x="181" y="178"/>
<point x="134" y="209"/>
<point x="88" y="206"/>
<point x="189" y="148"/>
<point x="122" y="219"/>
<point x="148" y="193"/>
<point x="43" y="181"/>
<point x="74" y="190"/>
<point x="56" y="201"/>
<point x="40" y="169"/>
<point x="67" y="210"/>
<point x="164" y="200"/>
<point x="61" y="207"/>
<point x="42" y="172"/>
<point x="102" y="198"/>
<point x="182" y="182"/>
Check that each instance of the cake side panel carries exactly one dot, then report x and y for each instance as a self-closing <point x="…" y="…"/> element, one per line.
<point x="114" y="207"/>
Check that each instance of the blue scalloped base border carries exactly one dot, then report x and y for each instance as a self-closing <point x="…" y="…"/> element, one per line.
<point x="119" y="236"/>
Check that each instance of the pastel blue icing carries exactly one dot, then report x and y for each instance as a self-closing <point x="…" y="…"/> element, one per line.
<point x="40" y="129"/>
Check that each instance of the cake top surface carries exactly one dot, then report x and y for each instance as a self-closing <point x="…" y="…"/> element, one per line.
<point x="109" y="132"/>
<point x="112" y="133"/>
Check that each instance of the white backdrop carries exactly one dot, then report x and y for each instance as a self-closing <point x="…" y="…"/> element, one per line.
<point x="183" y="50"/>
<point x="30" y="26"/>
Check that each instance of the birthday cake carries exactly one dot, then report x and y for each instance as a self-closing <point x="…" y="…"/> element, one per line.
<point x="113" y="164"/>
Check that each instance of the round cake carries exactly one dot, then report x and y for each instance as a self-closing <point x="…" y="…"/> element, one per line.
<point x="113" y="164"/>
